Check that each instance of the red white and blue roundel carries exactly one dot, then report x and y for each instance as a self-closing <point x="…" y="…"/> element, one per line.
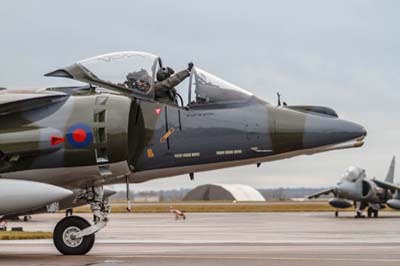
<point x="80" y="135"/>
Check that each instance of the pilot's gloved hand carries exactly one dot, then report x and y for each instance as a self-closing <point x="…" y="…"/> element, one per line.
<point x="190" y="66"/>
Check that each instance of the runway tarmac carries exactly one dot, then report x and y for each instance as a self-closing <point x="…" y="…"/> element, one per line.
<point x="222" y="239"/>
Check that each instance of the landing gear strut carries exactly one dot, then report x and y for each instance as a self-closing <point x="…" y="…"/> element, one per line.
<point x="74" y="235"/>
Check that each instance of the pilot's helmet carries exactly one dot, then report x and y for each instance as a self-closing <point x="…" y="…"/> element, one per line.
<point x="164" y="73"/>
<point x="139" y="80"/>
<point x="141" y="74"/>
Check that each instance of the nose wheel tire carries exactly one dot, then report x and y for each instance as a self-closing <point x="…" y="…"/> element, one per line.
<point x="64" y="240"/>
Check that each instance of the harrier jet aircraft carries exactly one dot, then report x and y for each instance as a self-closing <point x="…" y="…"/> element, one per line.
<point x="59" y="143"/>
<point x="372" y="193"/>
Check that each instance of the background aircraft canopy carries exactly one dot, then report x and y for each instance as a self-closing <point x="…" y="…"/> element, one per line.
<point x="353" y="173"/>
<point x="211" y="89"/>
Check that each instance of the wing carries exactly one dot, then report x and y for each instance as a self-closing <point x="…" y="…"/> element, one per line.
<point x="386" y="185"/>
<point x="17" y="141"/>
<point x="323" y="192"/>
<point x="14" y="101"/>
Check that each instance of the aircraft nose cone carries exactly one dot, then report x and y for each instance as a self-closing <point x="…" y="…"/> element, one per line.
<point x="320" y="131"/>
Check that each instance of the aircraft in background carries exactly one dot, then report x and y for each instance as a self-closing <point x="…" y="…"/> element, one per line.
<point x="355" y="189"/>
<point x="64" y="144"/>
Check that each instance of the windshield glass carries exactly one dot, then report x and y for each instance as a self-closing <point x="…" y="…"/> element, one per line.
<point x="211" y="89"/>
<point x="134" y="70"/>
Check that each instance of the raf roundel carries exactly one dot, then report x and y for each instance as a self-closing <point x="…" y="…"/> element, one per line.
<point x="80" y="135"/>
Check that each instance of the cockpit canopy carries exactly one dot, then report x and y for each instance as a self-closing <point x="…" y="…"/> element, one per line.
<point x="122" y="68"/>
<point x="211" y="89"/>
<point x="134" y="73"/>
<point x="354" y="173"/>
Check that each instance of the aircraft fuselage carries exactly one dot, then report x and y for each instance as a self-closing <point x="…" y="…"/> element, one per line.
<point x="99" y="138"/>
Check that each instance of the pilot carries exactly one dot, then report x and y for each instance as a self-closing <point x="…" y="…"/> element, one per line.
<point x="139" y="80"/>
<point x="164" y="88"/>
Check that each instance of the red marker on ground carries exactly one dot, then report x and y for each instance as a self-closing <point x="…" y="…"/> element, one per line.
<point x="178" y="213"/>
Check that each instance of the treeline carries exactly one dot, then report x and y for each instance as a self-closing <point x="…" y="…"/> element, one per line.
<point x="287" y="193"/>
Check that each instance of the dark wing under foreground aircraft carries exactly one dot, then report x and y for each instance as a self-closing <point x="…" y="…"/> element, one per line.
<point x="356" y="189"/>
<point x="58" y="143"/>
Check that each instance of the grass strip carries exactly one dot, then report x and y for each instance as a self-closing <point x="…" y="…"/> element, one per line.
<point x="16" y="235"/>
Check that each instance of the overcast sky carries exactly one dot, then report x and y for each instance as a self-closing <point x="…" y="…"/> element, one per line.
<point x="342" y="54"/>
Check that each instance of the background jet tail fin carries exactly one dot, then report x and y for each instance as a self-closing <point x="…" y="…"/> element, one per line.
<point x="390" y="174"/>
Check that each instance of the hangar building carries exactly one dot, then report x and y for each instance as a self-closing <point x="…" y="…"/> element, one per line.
<point x="231" y="192"/>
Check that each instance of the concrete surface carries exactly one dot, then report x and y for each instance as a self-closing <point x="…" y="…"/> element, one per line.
<point x="222" y="239"/>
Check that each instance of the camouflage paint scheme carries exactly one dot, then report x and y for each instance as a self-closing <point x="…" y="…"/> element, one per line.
<point x="126" y="130"/>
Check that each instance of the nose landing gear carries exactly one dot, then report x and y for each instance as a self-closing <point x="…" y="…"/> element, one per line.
<point x="73" y="235"/>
